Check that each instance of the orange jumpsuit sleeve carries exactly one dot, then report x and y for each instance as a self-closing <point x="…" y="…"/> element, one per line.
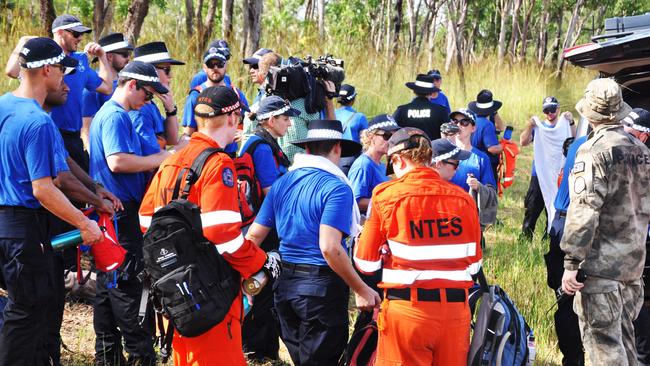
<point x="222" y="221"/>
<point x="367" y="256"/>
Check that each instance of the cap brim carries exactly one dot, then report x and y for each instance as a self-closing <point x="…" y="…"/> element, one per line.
<point x="251" y="61"/>
<point x="549" y="105"/>
<point x="292" y="112"/>
<point x="158" y="87"/>
<point x="462" y="155"/>
<point x="348" y="147"/>
<point x="69" y="62"/>
<point x="170" y="61"/>
<point x="482" y="111"/>
<point x="80" y="29"/>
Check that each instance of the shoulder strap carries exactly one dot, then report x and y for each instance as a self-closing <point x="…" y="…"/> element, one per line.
<point x="197" y="89"/>
<point x="347" y="121"/>
<point x="195" y="170"/>
<point x="482" y="281"/>
<point x="253" y="146"/>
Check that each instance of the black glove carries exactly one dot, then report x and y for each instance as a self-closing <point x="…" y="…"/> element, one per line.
<point x="273" y="264"/>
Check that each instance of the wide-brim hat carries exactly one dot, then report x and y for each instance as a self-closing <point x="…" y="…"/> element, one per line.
<point x="603" y="102"/>
<point x="423" y="84"/>
<point x="114" y="42"/>
<point x="154" y="53"/>
<point x="484" y="103"/>
<point x="329" y="130"/>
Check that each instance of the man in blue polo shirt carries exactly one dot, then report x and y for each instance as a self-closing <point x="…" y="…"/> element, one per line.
<point x="117" y="161"/>
<point x="439" y="97"/>
<point x="201" y="77"/>
<point x="30" y="157"/>
<point x="313" y="209"/>
<point x="353" y="122"/>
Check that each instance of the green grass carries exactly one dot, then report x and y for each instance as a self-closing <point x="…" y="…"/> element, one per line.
<point x="516" y="266"/>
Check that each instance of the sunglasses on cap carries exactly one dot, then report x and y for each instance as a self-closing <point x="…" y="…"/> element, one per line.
<point x="148" y="95"/>
<point x="549" y="110"/>
<point x="74" y="34"/>
<point x="462" y="121"/>
<point x="452" y="163"/>
<point x="219" y="64"/>
<point x="166" y="69"/>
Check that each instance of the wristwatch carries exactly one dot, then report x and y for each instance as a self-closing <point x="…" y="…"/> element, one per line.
<point x="172" y="113"/>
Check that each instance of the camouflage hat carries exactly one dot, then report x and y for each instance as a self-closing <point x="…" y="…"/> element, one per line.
<point x="603" y="102"/>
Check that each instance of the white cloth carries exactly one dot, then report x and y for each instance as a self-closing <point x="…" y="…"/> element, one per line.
<point x="319" y="162"/>
<point x="549" y="159"/>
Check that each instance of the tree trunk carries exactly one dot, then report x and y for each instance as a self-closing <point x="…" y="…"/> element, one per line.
<point x="208" y="24"/>
<point x="321" y="19"/>
<point x="397" y="25"/>
<point x="542" y="39"/>
<point x="252" y="13"/>
<point x="516" y="32"/>
<point x="501" y="51"/>
<point x="410" y="13"/>
<point x="137" y="12"/>
<point x="524" y="33"/>
<point x="457" y="12"/>
<point x="558" y="36"/>
<point x="198" y="18"/>
<point x="48" y="14"/>
<point x="432" y="35"/>
<point x="568" y="39"/>
<point x="189" y="17"/>
<point x="226" y="19"/>
<point x="389" y="8"/>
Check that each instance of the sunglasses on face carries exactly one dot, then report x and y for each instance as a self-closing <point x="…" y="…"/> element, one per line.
<point x="148" y="95"/>
<point x="452" y="163"/>
<point x="462" y="121"/>
<point x="549" y="110"/>
<point x="218" y="64"/>
<point x="75" y="34"/>
<point x="254" y="66"/>
<point x="385" y="135"/>
<point x="166" y="69"/>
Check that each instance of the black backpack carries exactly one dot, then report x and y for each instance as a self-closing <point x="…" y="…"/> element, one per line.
<point x="190" y="283"/>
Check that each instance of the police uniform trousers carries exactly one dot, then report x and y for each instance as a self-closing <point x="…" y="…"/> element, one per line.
<point x="423" y="327"/>
<point x="566" y="320"/>
<point x="26" y="262"/>
<point x="534" y="205"/>
<point x="606" y="310"/>
<point x="642" y="335"/>
<point x="260" y="330"/>
<point x="75" y="147"/>
<point x="116" y="304"/>
<point x="312" y="306"/>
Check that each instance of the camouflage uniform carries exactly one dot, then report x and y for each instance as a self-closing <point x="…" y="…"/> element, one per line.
<point x="604" y="235"/>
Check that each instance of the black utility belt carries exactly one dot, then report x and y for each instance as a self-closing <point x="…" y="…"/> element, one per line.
<point x="431" y="295"/>
<point x="66" y="133"/>
<point x="22" y="209"/>
<point x="306" y="268"/>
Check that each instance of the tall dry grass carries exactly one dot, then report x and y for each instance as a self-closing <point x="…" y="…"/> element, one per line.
<point x="517" y="266"/>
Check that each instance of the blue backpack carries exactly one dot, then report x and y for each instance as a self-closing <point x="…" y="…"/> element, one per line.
<point x="501" y="336"/>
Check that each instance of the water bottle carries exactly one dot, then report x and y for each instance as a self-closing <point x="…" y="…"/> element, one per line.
<point x="507" y="135"/>
<point x="256" y="283"/>
<point x="66" y="240"/>
<point x="531" y="350"/>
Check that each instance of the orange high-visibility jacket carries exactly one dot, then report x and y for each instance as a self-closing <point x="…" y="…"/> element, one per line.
<point x="432" y="231"/>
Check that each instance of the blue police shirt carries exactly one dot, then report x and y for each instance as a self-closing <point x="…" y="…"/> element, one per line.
<point x="92" y="101"/>
<point x="477" y="164"/>
<point x="562" y="198"/>
<point x="145" y="122"/>
<point x="30" y="149"/>
<point x="190" y="103"/>
<point x="267" y="170"/>
<point x="68" y="116"/>
<point x="112" y="132"/>
<point x="442" y="100"/>
<point x="201" y="77"/>
<point x="353" y="122"/>
<point x="297" y="204"/>
<point x="365" y="175"/>
<point x="484" y="136"/>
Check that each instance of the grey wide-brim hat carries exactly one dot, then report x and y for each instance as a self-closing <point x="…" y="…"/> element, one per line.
<point x="603" y="102"/>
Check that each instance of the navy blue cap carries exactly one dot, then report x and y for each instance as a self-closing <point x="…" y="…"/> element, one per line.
<point x="41" y="51"/>
<point x="347" y="93"/>
<point x="70" y="23"/>
<point x="145" y="73"/>
<point x="154" y="53"/>
<point x="550" y="102"/>
<point x="443" y="149"/>
<point x="222" y="46"/>
<point x="329" y="130"/>
<point x="638" y="119"/>
<point x="383" y="122"/>
<point x="221" y="98"/>
<point x="435" y="73"/>
<point x="463" y="112"/>
<point x="114" y="42"/>
<point x="273" y="105"/>
<point x="257" y="56"/>
<point x="213" y="53"/>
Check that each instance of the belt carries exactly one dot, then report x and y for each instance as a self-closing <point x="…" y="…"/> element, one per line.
<point x="453" y="294"/>
<point x="306" y="268"/>
<point x="22" y="209"/>
<point x="562" y="213"/>
<point x="70" y="133"/>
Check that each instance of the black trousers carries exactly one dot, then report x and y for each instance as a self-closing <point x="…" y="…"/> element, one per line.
<point x="75" y="147"/>
<point x="642" y="334"/>
<point x="534" y="205"/>
<point x="312" y="307"/>
<point x="27" y="271"/>
<point x="566" y="320"/>
<point x="115" y="309"/>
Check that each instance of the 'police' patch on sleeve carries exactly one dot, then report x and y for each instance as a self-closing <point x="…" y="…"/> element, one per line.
<point x="578" y="167"/>
<point x="228" y="177"/>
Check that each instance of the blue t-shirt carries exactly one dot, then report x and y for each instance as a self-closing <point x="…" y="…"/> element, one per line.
<point x="92" y="101"/>
<point x="31" y="148"/>
<point x="353" y="123"/>
<point x="112" y="132"/>
<point x="365" y="175"/>
<point x="145" y="122"/>
<point x="267" y="170"/>
<point x="477" y="164"/>
<point x="201" y="77"/>
<point x="190" y="103"/>
<point x="68" y="116"/>
<point x="297" y="204"/>
<point x="442" y="100"/>
<point x="485" y="136"/>
<point x="562" y="198"/>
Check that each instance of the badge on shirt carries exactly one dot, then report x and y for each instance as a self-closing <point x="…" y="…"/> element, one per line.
<point x="578" y="167"/>
<point x="579" y="185"/>
<point x="228" y="177"/>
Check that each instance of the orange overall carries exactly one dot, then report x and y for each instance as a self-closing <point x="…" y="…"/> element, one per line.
<point x="216" y="193"/>
<point x="424" y="234"/>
